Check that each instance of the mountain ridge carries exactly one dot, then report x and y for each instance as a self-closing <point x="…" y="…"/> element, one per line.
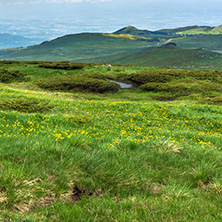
<point x="138" y="32"/>
<point x="186" y="30"/>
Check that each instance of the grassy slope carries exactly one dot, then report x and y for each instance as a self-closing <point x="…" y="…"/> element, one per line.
<point x="203" y="30"/>
<point x="208" y="42"/>
<point x="108" y="158"/>
<point x="9" y="50"/>
<point x="81" y="47"/>
<point x="173" y="57"/>
<point x="185" y="29"/>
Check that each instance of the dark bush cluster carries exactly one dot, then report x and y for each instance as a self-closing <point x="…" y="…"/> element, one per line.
<point x="95" y="75"/>
<point x="62" y="65"/>
<point x="24" y="105"/>
<point x="177" y="82"/>
<point x="7" y="76"/>
<point x="179" y="88"/>
<point x="145" y="77"/>
<point x="213" y="101"/>
<point x="165" y="87"/>
<point x="9" y="62"/>
<point x="78" y="83"/>
<point x="168" y="75"/>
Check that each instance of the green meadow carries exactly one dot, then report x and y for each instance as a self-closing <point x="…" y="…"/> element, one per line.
<point x="74" y="153"/>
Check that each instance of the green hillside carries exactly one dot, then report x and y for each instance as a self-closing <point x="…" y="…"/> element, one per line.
<point x="208" y="42"/>
<point x="205" y="30"/>
<point x="86" y="47"/>
<point x="173" y="57"/>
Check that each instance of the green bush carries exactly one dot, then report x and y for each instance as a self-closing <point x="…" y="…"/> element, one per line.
<point x="122" y="77"/>
<point x="62" y="65"/>
<point x="163" y="76"/>
<point x="213" y="101"/>
<point x="7" y="76"/>
<point x="78" y="83"/>
<point x="179" y="88"/>
<point x="146" y="77"/>
<point x="9" y="62"/>
<point x="166" y="87"/>
<point x="24" y="105"/>
<point x="206" y="86"/>
<point x="95" y="75"/>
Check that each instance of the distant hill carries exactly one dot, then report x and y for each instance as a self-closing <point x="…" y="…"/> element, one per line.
<point x="194" y="30"/>
<point x="187" y="30"/>
<point x="137" y="32"/>
<point x="10" y="41"/>
<point x="182" y="30"/>
<point x="85" y="47"/>
<point x="173" y="57"/>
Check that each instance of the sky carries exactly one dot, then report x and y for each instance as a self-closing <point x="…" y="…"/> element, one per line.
<point x="48" y="19"/>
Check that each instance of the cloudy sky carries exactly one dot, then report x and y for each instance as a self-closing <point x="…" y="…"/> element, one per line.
<point x="51" y="18"/>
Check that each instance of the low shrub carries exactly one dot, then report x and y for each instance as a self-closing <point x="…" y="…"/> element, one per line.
<point x="166" y="87"/>
<point x="213" y="101"/>
<point x="179" y="88"/>
<point x="146" y="77"/>
<point x="122" y="76"/>
<point x="163" y="76"/>
<point x="95" y="75"/>
<point x="206" y="86"/>
<point x="62" y="65"/>
<point x="78" y="83"/>
<point x="9" y="62"/>
<point x="33" y="62"/>
<point x="7" y="76"/>
<point x="24" y="105"/>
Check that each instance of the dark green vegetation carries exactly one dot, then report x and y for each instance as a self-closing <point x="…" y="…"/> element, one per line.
<point x="61" y="65"/>
<point x="24" y="105"/>
<point x="78" y="83"/>
<point x="123" y="156"/>
<point x="11" y="76"/>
